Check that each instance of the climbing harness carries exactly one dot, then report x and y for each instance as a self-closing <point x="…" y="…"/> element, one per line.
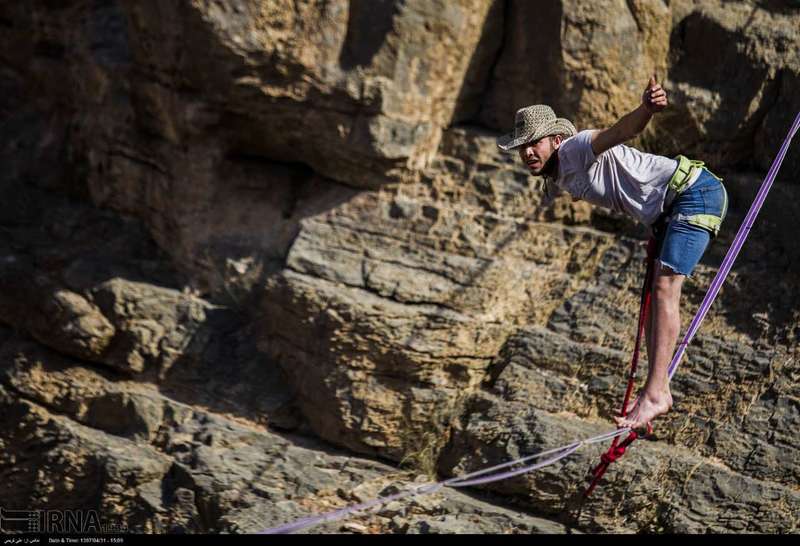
<point x="618" y="448"/>
<point x="687" y="172"/>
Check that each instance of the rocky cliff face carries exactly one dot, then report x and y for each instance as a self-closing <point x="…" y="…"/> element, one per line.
<point x="240" y="236"/>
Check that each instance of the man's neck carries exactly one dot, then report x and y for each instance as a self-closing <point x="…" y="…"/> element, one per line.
<point x="551" y="167"/>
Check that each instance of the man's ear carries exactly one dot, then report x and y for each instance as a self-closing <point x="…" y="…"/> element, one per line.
<point x="557" y="140"/>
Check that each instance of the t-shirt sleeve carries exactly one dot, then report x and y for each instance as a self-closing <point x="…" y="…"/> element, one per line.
<point x="576" y="152"/>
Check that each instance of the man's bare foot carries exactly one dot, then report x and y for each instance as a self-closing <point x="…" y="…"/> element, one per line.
<point x="647" y="407"/>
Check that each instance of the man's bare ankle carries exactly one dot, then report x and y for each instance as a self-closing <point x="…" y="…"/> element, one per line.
<point x="658" y="396"/>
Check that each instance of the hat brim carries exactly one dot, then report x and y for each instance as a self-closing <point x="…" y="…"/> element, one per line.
<point x="563" y="126"/>
<point x="508" y="142"/>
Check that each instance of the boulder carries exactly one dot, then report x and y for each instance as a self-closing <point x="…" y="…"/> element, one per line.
<point x="155" y="326"/>
<point x="62" y="319"/>
<point x="552" y="54"/>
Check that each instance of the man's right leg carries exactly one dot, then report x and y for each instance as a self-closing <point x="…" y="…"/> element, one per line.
<point x="655" y="398"/>
<point x="648" y="326"/>
<point x="683" y="245"/>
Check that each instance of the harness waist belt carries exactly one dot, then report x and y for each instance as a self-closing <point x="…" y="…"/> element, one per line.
<point x="687" y="172"/>
<point x="685" y="175"/>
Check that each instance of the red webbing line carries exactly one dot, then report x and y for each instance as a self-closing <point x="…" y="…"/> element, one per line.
<point x="617" y="449"/>
<point x="644" y="313"/>
<point x="613" y="453"/>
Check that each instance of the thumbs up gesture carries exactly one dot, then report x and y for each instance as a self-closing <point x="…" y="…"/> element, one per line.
<point x="654" y="97"/>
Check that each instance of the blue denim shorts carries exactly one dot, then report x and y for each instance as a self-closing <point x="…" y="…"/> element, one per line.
<point x="683" y="244"/>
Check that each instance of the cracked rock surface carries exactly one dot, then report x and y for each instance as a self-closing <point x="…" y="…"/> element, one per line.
<point x="262" y="259"/>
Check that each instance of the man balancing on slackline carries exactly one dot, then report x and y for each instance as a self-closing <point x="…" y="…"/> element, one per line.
<point x="682" y="202"/>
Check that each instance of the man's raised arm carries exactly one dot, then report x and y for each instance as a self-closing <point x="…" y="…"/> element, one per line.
<point x="654" y="99"/>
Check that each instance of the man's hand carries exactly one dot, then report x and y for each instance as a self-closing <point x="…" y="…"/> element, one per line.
<point x="654" y="97"/>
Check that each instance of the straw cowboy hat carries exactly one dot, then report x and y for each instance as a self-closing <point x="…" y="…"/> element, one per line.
<point x="532" y="123"/>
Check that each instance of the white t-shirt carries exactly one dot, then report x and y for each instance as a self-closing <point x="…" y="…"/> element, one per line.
<point x="621" y="178"/>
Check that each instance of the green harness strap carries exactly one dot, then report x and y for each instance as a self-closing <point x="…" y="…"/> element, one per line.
<point x="682" y="175"/>
<point x="680" y="179"/>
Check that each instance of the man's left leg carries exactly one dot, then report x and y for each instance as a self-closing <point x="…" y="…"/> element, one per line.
<point x="655" y="398"/>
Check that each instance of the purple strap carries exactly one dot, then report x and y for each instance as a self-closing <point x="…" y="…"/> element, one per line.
<point x="733" y="251"/>
<point x="460" y="481"/>
<point x="342" y="512"/>
<point x="505" y="475"/>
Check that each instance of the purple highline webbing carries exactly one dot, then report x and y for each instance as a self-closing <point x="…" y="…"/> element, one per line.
<point x="511" y="473"/>
<point x="460" y="481"/>
<point x="568" y="449"/>
<point x="733" y="251"/>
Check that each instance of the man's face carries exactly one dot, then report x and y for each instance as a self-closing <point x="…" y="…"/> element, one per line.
<point x="536" y="154"/>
